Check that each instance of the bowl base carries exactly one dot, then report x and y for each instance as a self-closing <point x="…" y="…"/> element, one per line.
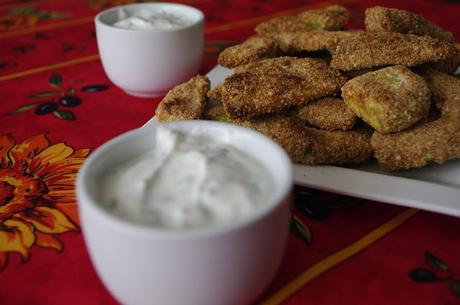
<point x="144" y="94"/>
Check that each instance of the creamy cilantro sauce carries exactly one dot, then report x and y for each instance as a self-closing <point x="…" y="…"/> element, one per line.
<point x="187" y="181"/>
<point x="150" y="20"/>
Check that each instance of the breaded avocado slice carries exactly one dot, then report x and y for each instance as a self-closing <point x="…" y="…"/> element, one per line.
<point x="186" y="101"/>
<point x="338" y="147"/>
<point x="390" y="99"/>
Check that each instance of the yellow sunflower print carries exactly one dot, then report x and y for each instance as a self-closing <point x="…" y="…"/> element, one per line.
<point x="37" y="194"/>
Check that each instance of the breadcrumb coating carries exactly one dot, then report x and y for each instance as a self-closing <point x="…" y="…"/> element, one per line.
<point x="272" y="85"/>
<point x="390" y="99"/>
<point x="426" y="143"/>
<point x="283" y="24"/>
<point x="445" y="91"/>
<point x="338" y="147"/>
<point x="382" y="49"/>
<point x="328" y="113"/>
<point x="215" y="111"/>
<point x="448" y="65"/>
<point x="186" y="101"/>
<point x="331" y="18"/>
<point x="310" y="40"/>
<point x="253" y="49"/>
<point x="288" y="132"/>
<point x="386" y="19"/>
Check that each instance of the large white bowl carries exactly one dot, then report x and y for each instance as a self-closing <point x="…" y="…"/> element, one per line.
<point x="225" y="264"/>
<point x="148" y="63"/>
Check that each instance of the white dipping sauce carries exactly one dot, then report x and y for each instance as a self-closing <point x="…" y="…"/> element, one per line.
<point x="150" y="20"/>
<point x="187" y="181"/>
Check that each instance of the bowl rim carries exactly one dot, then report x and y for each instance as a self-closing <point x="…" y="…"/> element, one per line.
<point x="199" y="20"/>
<point x="281" y="196"/>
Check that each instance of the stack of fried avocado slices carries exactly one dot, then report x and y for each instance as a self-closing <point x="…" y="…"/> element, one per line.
<point x="331" y="95"/>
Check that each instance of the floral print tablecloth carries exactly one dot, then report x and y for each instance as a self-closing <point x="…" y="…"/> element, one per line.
<point x="57" y="105"/>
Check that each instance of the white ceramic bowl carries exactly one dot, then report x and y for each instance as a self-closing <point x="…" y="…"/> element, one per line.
<point x="148" y="63"/>
<point x="225" y="264"/>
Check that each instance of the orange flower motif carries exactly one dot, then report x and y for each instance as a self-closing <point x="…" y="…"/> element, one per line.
<point x="37" y="195"/>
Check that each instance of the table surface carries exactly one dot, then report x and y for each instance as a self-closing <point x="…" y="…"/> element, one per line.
<point x="341" y="251"/>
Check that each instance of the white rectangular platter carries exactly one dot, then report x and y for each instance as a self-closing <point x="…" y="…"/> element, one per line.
<point x="433" y="188"/>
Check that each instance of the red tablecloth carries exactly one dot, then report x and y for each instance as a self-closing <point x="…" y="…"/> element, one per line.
<point x="361" y="252"/>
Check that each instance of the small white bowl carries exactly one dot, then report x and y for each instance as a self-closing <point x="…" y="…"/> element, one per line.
<point x="224" y="264"/>
<point x="147" y="63"/>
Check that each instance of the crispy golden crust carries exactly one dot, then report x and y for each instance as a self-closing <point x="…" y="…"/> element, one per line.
<point x="381" y="49"/>
<point x="310" y="40"/>
<point x="186" y="101"/>
<point x="390" y="99"/>
<point x="253" y="49"/>
<point x="426" y="143"/>
<point x="385" y="19"/>
<point x="449" y="65"/>
<point x="289" y="132"/>
<point x="215" y="111"/>
<point x="272" y="85"/>
<point x="338" y="147"/>
<point x="214" y="94"/>
<point x="284" y="62"/>
<point x="328" y="113"/>
<point x="331" y="18"/>
<point x="283" y="24"/>
<point x="445" y="91"/>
